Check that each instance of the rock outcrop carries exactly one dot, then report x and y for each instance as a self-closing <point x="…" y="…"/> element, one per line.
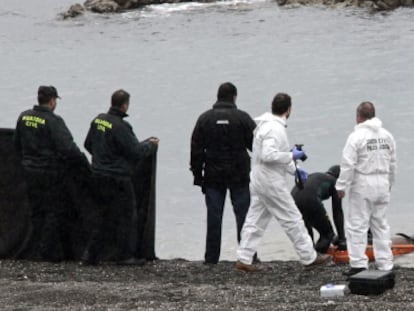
<point x="74" y="10"/>
<point x="114" y="6"/>
<point x="375" y="5"/>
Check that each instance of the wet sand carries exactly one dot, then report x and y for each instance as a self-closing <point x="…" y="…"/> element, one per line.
<point x="186" y="285"/>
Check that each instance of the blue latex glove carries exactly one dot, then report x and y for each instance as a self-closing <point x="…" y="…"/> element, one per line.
<point x="302" y="173"/>
<point x="297" y="154"/>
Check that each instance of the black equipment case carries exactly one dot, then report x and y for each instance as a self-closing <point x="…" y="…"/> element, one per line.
<point x="371" y="282"/>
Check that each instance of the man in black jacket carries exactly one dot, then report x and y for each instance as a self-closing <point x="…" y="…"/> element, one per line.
<point x="317" y="188"/>
<point x="47" y="149"/>
<point x="220" y="161"/>
<point x="115" y="152"/>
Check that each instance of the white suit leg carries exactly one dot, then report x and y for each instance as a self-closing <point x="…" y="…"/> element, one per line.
<point x="381" y="238"/>
<point x="254" y="227"/>
<point x="282" y="206"/>
<point x="357" y="225"/>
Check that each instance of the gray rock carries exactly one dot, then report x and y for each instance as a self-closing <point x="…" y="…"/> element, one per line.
<point x="102" y="6"/>
<point x="112" y="6"/>
<point x="75" y="10"/>
<point x="392" y="4"/>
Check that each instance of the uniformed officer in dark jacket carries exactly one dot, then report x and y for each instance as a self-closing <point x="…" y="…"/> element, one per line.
<point x="47" y="149"/>
<point x="317" y="188"/>
<point x="115" y="152"/>
<point x="220" y="161"/>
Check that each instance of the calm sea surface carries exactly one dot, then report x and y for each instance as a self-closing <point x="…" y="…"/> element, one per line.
<point x="172" y="58"/>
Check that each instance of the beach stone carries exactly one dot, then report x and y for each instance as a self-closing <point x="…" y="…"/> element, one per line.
<point x="74" y="11"/>
<point x="392" y="4"/>
<point x="102" y="6"/>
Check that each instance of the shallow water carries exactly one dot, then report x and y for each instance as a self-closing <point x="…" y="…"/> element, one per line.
<point x="172" y="58"/>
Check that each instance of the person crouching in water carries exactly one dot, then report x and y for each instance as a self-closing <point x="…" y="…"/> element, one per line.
<point x="272" y="160"/>
<point x="317" y="188"/>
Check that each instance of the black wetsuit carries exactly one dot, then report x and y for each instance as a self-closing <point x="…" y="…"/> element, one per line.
<point x="115" y="152"/>
<point x="48" y="150"/>
<point x="317" y="188"/>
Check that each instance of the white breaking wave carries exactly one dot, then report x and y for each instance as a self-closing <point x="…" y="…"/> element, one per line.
<point x="167" y="9"/>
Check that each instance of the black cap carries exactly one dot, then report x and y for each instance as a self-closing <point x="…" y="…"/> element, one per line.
<point x="47" y="92"/>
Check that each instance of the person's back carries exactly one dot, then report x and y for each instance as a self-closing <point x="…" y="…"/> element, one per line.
<point x="220" y="162"/>
<point x="48" y="151"/>
<point x="318" y="187"/>
<point x="368" y="170"/>
<point x="374" y="147"/>
<point x="113" y="145"/>
<point x="115" y="151"/>
<point x="227" y="135"/>
<point x="43" y="140"/>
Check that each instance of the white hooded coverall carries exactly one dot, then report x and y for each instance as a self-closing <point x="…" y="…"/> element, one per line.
<point x="368" y="169"/>
<point x="270" y="195"/>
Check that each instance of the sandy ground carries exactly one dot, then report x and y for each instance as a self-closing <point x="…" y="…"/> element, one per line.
<point x="186" y="285"/>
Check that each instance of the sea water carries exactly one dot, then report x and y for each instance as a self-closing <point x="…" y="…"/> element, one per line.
<point x="171" y="58"/>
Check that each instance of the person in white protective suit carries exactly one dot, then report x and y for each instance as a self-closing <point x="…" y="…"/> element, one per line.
<point x="368" y="169"/>
<point x="272" y="160"/>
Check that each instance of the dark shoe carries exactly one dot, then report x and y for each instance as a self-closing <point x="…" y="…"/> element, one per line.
<point x="321" y="259"/>
<point x="256" y="259"/>
<point x="209" y="263"/>
<point x="247" y="268"/>
<point x="131" y="262"/>
<point x="353" y="271"/>
<point x="87" y="260"/>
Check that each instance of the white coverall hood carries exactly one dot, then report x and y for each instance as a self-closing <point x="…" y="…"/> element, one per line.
<point x="374" y="124"/>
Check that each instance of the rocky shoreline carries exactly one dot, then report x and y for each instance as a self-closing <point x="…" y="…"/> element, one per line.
<point x="186" y="285"/>
<point x="116" y="6"/>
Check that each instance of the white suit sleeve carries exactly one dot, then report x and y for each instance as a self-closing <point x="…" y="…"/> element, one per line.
<point x="348" y="162"/>
<point x="393" y="163"/>
<point x="272" y="154"/>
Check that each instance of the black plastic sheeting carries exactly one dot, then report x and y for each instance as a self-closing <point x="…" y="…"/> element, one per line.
<point x="15" y="227"/>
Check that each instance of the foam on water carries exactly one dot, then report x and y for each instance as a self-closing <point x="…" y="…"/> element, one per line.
<point x="167" y="9"/>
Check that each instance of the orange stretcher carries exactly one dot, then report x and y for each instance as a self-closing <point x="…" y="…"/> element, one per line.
<point x="402" y="244"/>
<point x="342" y="256"/>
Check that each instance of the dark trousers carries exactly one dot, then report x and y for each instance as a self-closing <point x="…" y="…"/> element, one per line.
<point x="46" y="195"/>
<point x="315" y="216"/>
<point x="215" y="198"/>
<point x="111" y="219"/>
